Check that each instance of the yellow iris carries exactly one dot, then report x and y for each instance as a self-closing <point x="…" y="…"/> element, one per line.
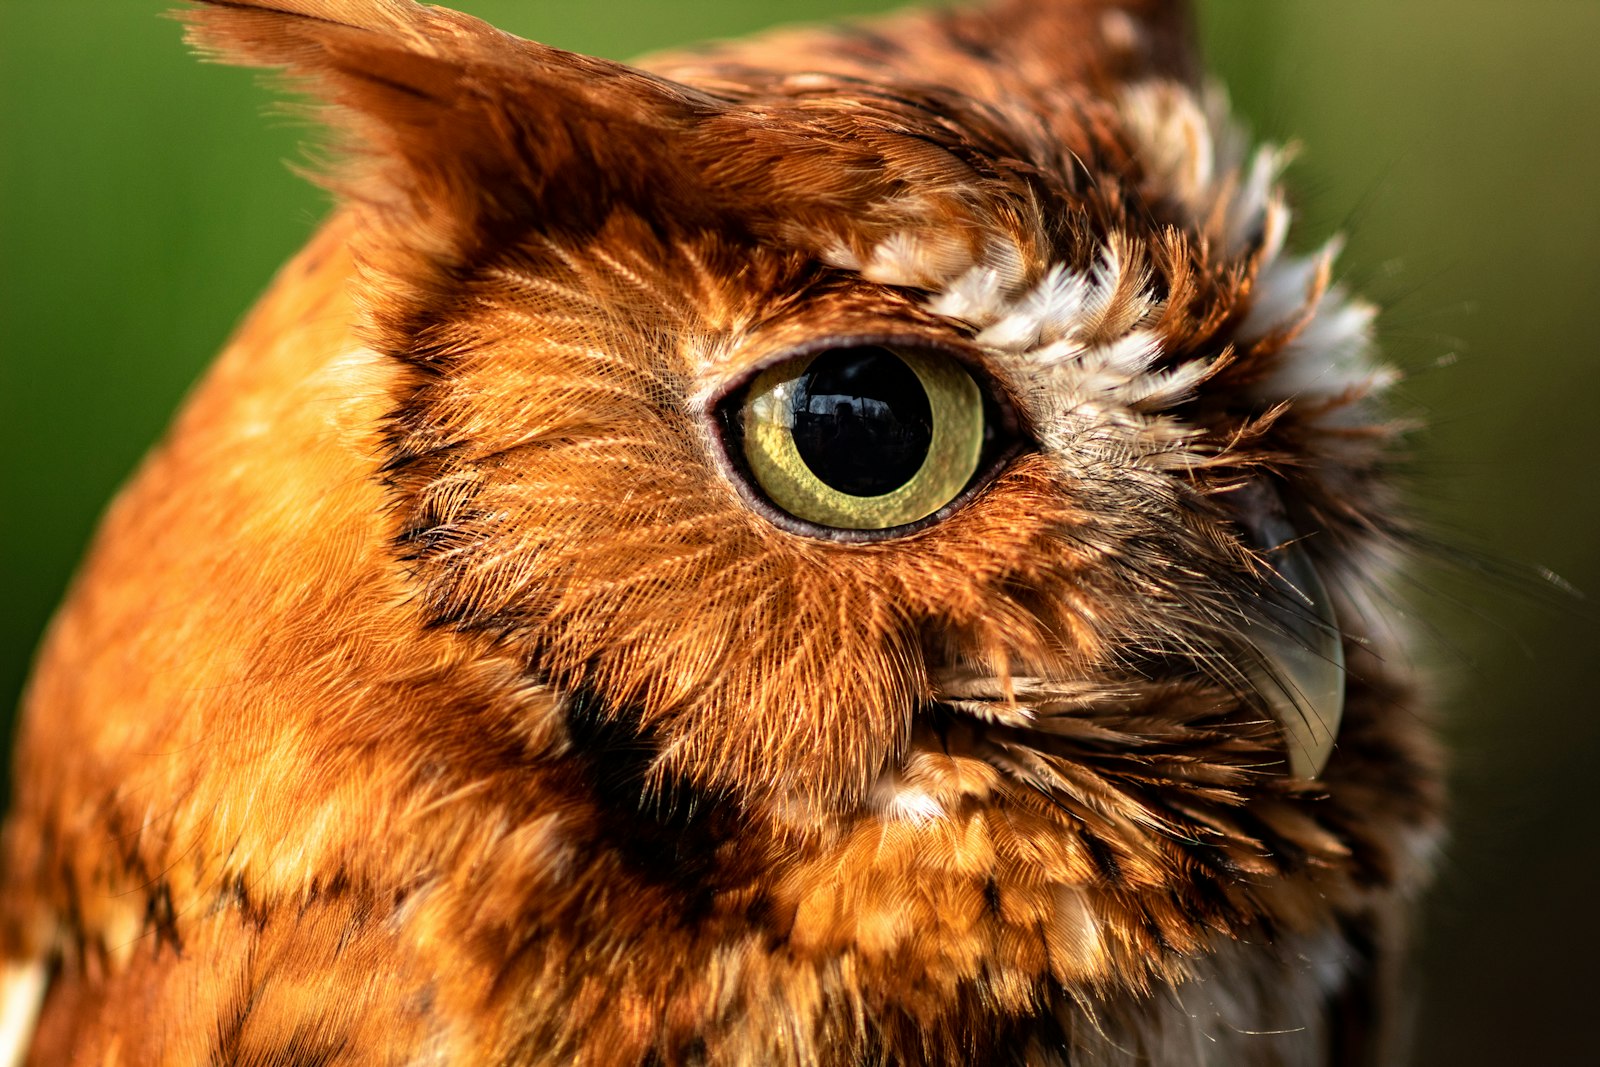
<point x="957" y="410"/>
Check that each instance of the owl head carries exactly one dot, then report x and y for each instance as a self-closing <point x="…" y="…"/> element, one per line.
<point x="893" y="421"/>
<point x="859" y="546"/>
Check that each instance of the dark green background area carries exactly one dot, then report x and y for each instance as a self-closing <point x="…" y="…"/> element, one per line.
<point x="144" y="203"/>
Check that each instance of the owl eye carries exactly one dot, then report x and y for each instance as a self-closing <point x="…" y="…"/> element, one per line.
<point x="864" y="437"/>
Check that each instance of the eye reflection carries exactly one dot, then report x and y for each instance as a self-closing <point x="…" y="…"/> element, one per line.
<point x="862" y="421"/>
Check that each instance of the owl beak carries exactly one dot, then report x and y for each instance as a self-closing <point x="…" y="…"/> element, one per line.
<point x="1295" y="652"/>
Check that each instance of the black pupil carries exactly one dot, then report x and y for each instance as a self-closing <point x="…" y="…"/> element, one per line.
<point x="862" y="421"/>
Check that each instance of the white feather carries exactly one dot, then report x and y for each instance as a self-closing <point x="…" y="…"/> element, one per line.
<point x="22" y="986"/>
<point x="1051" y="338"/>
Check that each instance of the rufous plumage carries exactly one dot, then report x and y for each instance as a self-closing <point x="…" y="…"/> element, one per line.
<point x="500" y="660"/>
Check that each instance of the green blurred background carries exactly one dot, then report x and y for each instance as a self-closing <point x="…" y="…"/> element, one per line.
<point x="144" y="203"/>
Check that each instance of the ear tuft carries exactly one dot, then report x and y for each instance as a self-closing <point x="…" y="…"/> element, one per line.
<point x="453" y="127"/>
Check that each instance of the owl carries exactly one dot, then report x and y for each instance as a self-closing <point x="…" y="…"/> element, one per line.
<point x="863" y="546"/>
